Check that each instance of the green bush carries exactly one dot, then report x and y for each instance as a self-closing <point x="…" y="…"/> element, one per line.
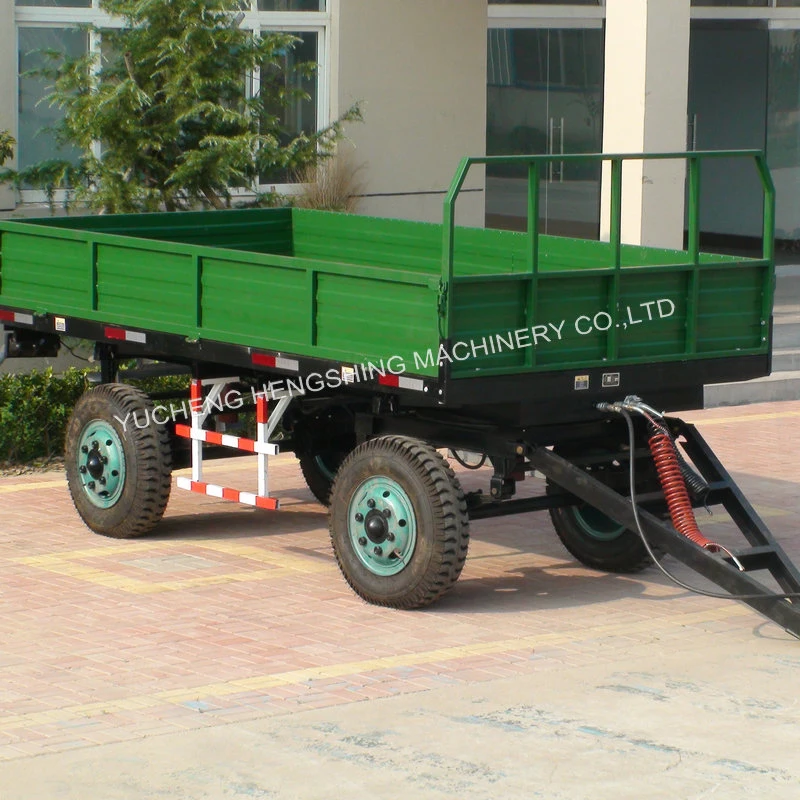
<point x="34" y="411"/>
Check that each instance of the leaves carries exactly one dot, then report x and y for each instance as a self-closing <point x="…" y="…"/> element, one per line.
<point x="7" y="143"/>
<point x="34" y="411"/>
<point x="168" y="101"/>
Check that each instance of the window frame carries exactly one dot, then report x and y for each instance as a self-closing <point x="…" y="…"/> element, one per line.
<point x="255" y="21"/>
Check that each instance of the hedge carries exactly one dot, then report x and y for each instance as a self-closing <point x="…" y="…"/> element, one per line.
<point x="35" y="409"/>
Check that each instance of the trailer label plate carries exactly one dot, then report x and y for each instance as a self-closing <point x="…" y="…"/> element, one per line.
<point x="61" y="324"/>
<point x="610" y="380"/>
<point x="581" y="383"/>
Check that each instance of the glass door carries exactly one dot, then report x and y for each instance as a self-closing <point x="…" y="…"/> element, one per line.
<point x="545" y="95"/>
<point x="728" y="64"/>
<point x="783" y="131"/>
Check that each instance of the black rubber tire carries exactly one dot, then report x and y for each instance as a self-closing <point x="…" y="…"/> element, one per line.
<point x="441" y="517"/>
<point x="148" y="461"/>
<point x="625" y="554"/>
<point x="315" y="476"/>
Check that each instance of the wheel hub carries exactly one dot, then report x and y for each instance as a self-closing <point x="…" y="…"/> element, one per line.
<point x="376" y="527"/>
<point x="101" y="463"/>
<point x="382" y="525"/>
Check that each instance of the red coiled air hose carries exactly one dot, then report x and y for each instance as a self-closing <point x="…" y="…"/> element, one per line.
<point x="675" y="492"/>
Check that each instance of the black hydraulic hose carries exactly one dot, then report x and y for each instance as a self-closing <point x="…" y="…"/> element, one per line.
<point x="465" y="464"/>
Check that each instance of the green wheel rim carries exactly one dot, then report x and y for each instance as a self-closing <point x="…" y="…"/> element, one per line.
<point x="597" y="525"/>
<point x="382" y="525"/>
<point x="101" y="463"/>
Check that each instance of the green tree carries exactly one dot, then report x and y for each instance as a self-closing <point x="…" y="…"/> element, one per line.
<point x="168" y="104"/>
<point x="7" y="143"/>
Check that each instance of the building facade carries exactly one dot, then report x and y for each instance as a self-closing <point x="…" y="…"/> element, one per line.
<point x="439" y="79"/>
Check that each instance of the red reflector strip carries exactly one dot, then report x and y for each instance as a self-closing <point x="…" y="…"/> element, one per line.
<point x="401" y="382"/>
<point x="15" y="316"/>
<point x="122" y="335"/>
<point x="263" y="360"/>
<point x="211" y="490"/>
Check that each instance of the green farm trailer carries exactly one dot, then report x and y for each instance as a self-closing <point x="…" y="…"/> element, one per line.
<point x="368" y="345"/>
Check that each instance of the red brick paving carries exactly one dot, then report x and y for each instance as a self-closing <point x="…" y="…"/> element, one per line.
<point x="229" y="613"/>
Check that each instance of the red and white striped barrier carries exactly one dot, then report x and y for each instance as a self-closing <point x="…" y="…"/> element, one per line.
<point x="236" y="442"/>
<point x="260" y="446"/>
<point x="211" y="490"/>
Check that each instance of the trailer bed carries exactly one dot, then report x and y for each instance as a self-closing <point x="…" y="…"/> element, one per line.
<point x="449" y="304"/>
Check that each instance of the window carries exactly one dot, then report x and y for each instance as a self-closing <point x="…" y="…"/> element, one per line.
<point x="37" y="142"/>
<point x="54" y="25"/>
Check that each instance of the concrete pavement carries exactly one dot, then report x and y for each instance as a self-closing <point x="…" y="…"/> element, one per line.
<point x="224" y="657"/>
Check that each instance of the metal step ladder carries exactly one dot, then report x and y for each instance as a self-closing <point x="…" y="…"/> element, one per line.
<point x="763" y="553"/>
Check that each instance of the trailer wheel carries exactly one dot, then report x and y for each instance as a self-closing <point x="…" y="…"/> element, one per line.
<point x="398" y="522"/>
<point x="595" y="539"/>
<point x="319" y="471"/>
<point x="118" y="474"/>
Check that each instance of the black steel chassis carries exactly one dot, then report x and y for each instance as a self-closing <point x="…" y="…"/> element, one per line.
<point x="477" y="414"/>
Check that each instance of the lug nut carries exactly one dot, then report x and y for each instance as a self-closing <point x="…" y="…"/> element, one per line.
<point x="95" y="445"/>
<point x="371" y="503"/>
<point x="103" y="460"/>
<point x="91" y="485"/>
<point x="387" y="512"/>
<point x="82" y="470"/>
<point x="362" y="540"/>
<point x="84" y="449"/>
<point x="378" y="551"/>
<point x="359" y="517"/>
<point x="390" y="536"/>
<point x="102" y="481"/>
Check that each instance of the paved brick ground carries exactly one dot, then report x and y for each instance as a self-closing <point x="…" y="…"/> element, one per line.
<point x="229" y="613"/>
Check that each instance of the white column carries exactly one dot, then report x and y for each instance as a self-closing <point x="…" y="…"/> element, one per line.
<point x="646" y="96"/>
<point x="419" y="69"/>
<point x="8" y="85"/>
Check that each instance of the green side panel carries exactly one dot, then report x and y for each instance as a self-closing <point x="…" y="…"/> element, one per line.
<point x="652" y="314"/>
<point x="264" y="306"/>
<point x="145" y="287"/>
<point x="730" y="309"/>
<point x="350" y="239"/>
<point x="485" y="315"/>
<point x="377" y="319"/>
<point x="416" y="246"/>
<point x="572" y="304"/>
<point x="45" y="273"/>
<point x="267" y="230"/>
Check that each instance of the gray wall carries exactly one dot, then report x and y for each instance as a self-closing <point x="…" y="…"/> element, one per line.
<point x="419" y="68"/>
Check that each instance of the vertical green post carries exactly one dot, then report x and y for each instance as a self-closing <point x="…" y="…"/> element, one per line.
<point x="448" y="246"/>
<point x="93" y="274"/>
<point x="768" y="287"/>
<point x="311" y="282"/>
<point x="694" y="209"/>
<point x="615" y="238"/>
<point x="534" y="176"/>
<point x="693" y="294"/>
<point x="198" y="292"/>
